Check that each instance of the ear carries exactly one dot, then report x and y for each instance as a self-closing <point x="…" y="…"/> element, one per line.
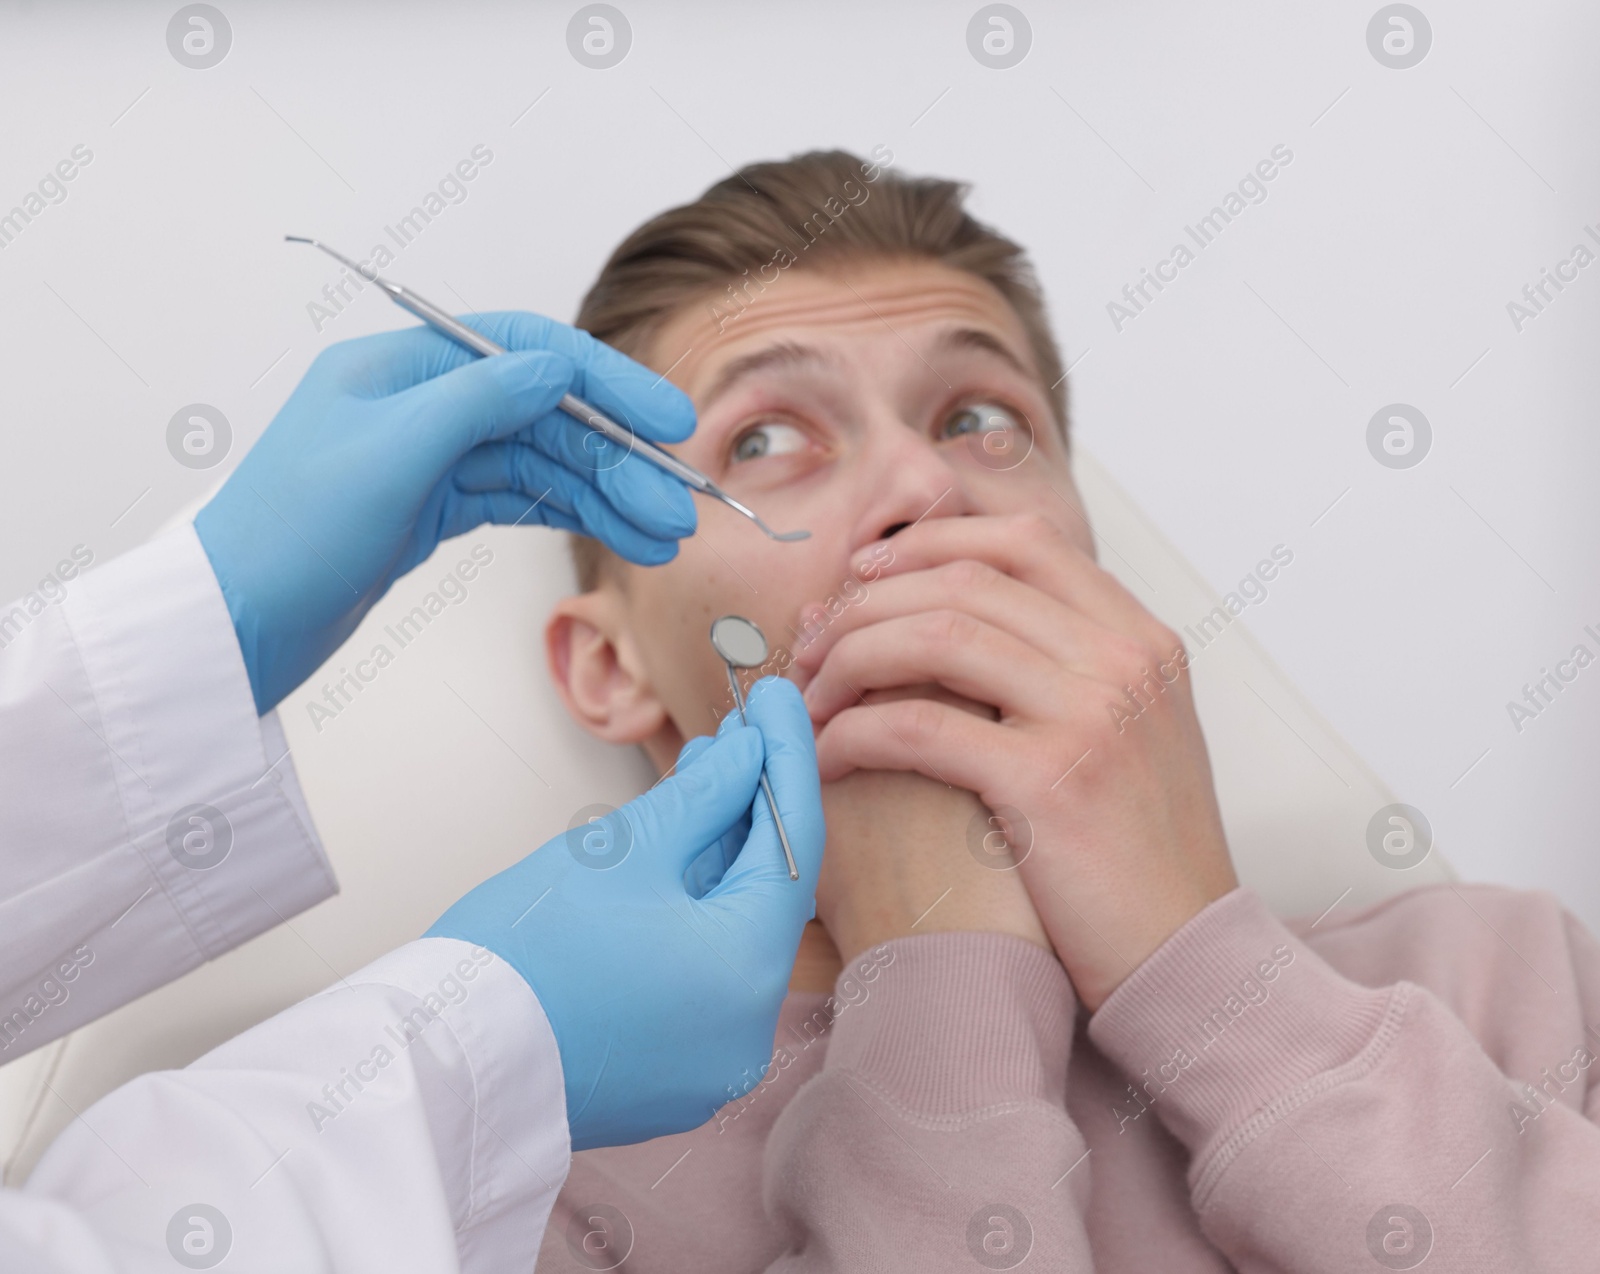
<point x="597" y="669"/>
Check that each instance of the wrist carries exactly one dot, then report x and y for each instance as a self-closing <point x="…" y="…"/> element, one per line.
<point x="218" y="541"/>
<point x="281" y="636"/>
<point x="901" y="861"/>
<point x="858" y="928"/>
<point x="1101" y="958"/>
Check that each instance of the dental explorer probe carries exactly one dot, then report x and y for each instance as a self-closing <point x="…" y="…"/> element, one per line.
<point x="574" y="406"/>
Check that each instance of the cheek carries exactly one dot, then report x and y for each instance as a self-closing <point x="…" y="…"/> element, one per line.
<point x="1033" y="487"/>
<point x="730" y="570"/>
<point x="669" y="618"/>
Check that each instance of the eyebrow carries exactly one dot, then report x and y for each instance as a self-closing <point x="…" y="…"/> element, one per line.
<point x="785" y="354"/>
<point x="972" y="338"/>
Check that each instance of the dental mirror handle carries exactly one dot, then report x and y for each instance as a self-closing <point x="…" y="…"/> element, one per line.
<point x="777" y="821"/>
<point x="766" y="788"/>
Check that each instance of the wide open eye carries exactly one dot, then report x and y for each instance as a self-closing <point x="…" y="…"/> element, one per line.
<point x="770" y="439"/>
<point x="979" y="418"/>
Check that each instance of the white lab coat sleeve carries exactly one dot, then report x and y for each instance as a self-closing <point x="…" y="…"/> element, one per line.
<point x="123" y="708"/>
<point x="411" y="1117"/>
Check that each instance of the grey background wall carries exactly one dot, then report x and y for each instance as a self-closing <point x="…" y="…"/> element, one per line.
<point x="1377" y="267"/>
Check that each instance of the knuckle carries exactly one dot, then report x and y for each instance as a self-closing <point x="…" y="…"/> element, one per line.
<point x="966" y="575"/>
<point x="1150" y="658"/>
<point x="1035" y="528"/>
<point x="1166" y="642"/>
<point x="924" y="719"/>
<point x="948" y="627"/>
<point x="1126" y="659"/>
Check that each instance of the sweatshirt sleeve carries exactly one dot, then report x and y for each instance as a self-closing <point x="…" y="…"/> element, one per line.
<point x="412" y="1117"/>
<point x="1334" y="1126"/>
<point x="149" y="820"/>
<point x="936" y="1135"/>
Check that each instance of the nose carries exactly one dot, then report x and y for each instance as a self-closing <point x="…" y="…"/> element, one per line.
<point x="912" y="479"/>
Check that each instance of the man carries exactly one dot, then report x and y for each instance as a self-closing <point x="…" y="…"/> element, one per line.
<point x="869" y="362"/>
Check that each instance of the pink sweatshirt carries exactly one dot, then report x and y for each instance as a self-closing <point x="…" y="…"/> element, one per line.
<point x="1410" y="1083"/>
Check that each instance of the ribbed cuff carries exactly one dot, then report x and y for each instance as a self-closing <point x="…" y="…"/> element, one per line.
<point x="1231" y="1015"/>
<point x="956" y="1022"/>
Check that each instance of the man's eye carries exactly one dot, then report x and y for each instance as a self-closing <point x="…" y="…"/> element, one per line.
<point x="979" y="418"/>
<point x="771" y="439"/>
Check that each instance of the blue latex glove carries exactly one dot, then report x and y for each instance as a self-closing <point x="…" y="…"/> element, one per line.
<point x="394" y="442"/>
<point x="664" y="1004"/>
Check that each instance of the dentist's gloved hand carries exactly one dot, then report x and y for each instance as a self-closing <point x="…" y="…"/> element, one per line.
<point x="664" y="1004"/>
<point x="394" y="442"/>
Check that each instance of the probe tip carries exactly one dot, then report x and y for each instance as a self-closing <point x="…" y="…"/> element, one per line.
<point x="295" y="238"/>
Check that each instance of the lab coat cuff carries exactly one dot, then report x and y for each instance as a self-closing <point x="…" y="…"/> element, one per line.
<point x="510" y="1114"/>
<point x="208" y="791"/>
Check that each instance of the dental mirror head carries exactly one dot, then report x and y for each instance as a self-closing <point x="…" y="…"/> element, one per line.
<point x="740" y="643"/>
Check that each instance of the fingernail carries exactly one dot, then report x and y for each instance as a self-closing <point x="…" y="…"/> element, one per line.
<point x="812" y="620"/>
<point x="864" y="555"/>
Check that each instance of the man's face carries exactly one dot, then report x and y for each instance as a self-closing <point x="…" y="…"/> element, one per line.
<point x="849" y="403"/>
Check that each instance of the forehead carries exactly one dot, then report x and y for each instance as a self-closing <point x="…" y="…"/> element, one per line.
<point x="860" y="304"/>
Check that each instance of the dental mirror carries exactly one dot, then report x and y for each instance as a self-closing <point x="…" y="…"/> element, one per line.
<point x="739" y="642"/>
<point x="742" y="645"/>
